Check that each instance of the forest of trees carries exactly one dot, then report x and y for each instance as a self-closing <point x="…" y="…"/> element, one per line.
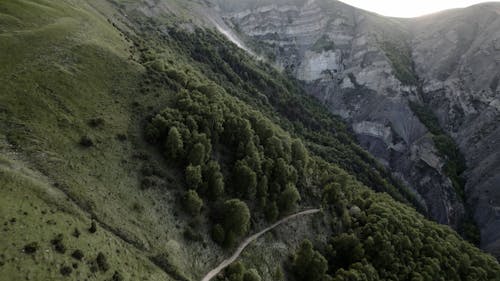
<point x="251" y="146"/>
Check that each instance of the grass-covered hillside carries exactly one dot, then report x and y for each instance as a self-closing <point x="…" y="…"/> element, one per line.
<point x="136" y="148"/>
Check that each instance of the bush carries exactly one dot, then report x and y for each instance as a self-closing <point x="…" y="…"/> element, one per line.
<point x="234" y="220"/>
<point x="235" y="271"/>
<point x="58" y="244"/>
<point x="174" y="146"/>
<point x="272" y="211"/>
<point x="252" y="275"/>
<point x="245" y="180"/>
<point x="289" y="199"/>
<point x="193" y="176"/>
<point x="117" y="276"/>
<point x="344" y="250"/>
<point x="214" y="180"/>
<point x="86" y="141"/>
<point x="164" y="261"/>
<point x="218" y="234"/>
<point x="102" y="262"/>
<point x="308" y="264"/>
<point x="31" y="248"/>
<point x="77" y="254"/>
<point x="66" y="270"/>
<point x="192" y="203"/>
<point x="96" y="122"/>
<point x="197" y="154"/>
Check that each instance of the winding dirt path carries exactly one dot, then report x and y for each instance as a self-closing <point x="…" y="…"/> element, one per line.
<point x="249" y="240"/>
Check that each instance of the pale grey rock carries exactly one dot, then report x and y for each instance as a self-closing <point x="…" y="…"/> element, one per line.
<point x="456" y="55"/>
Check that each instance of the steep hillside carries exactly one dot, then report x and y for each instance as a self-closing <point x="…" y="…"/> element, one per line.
<point x="344" y="56"/>
<point x="457" y="56"/>
<point x="421" y="95"/>
<point x="137" y="142"/>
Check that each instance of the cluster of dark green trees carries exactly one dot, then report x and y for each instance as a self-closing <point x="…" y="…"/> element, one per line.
<point x="376" y="238"/>
<point x="229" y="152"/>
<point x="251" y="145"/>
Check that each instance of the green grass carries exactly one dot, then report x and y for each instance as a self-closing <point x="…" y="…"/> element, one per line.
<point x="63" y="66"/>
<point x="32" y="210"/>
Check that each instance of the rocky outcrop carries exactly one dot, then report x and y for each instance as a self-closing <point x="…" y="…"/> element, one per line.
<point x="458" y="57"/>
<point x="336" y="50"/>
<point x="367" y="68"/>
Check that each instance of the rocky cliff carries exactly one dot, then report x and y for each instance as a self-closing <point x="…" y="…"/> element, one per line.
<point x="370" y="70"/>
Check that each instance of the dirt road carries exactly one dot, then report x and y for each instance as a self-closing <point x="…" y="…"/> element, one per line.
<point x="249" y="240"/>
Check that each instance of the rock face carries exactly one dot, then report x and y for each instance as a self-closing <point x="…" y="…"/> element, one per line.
<point x="457" y="55"/>
<point x="367" y="68"/>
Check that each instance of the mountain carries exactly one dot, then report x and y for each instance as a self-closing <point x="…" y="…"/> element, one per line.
<point x="406" y="86"/>
<point x="148" y="139"/>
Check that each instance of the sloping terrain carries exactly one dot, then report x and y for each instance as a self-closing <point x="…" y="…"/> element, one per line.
<point x="420" y="94"/>
<point x="136" y="143"/>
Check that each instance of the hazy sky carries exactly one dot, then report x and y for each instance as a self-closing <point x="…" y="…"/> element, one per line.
<point x="410" y="8"/>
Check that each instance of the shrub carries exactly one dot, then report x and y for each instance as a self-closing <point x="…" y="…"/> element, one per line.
<point x="235" y="271"/>
<point x="77" y="255"/>
<point x="214" y="180"/>
<point x="117" y="276"/>
<point x="252" y="275"/>
<point x="31" y="248"/>
<point x="289" y="199"/>
<point x="245" y="180"/>
<point x="192" y="234"/>
<point x="93" y="227"/>
<point x="66" y="270"/>
<point x="164" y="262"/>
<point x="96" y="122"/>
<point x="308" y="264"/>
<point x="193" y="176"/>
<point x="102" y="262"/>
<point x="299" y="152"/>
<point x="58" y="244"/>
<point x="272" y="211"/>
<point x="174" y="146"/>
<point x="218" y="234"/>
<point x="192" y="203"/>
<point x="344" y="250"/>
<point x="197" y="154"/>
<point x="86" y="141"/>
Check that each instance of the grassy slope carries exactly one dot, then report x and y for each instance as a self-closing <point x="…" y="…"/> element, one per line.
<point x="61" y="65"/>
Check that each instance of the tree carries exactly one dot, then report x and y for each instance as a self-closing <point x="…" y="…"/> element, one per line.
<point x="252" y="275"/>
<point x="193" y="176"/>
<point x="193" y="203"/>
<point x="299" y="152"/>
<point x="308" y="264"/>
<point x="235" y="271"/>
<point x="344" y="250"/>
<point x="218" y="234"/>
<point x="174" y="145"/>
<point x="272" y="211"/>
<point x="284" y="173"/>
<point x="245" y="180"/>
<point x="214" y="180"/>
<point x="236" y="217"/>
<point x="197" y="154"/>
<point x="288" y="199"/>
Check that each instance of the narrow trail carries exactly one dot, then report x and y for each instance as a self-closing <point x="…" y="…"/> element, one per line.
<point x="249" y="240"/>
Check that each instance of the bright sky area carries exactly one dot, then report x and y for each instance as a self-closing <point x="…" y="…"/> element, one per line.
<point x="410" y="8"/>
